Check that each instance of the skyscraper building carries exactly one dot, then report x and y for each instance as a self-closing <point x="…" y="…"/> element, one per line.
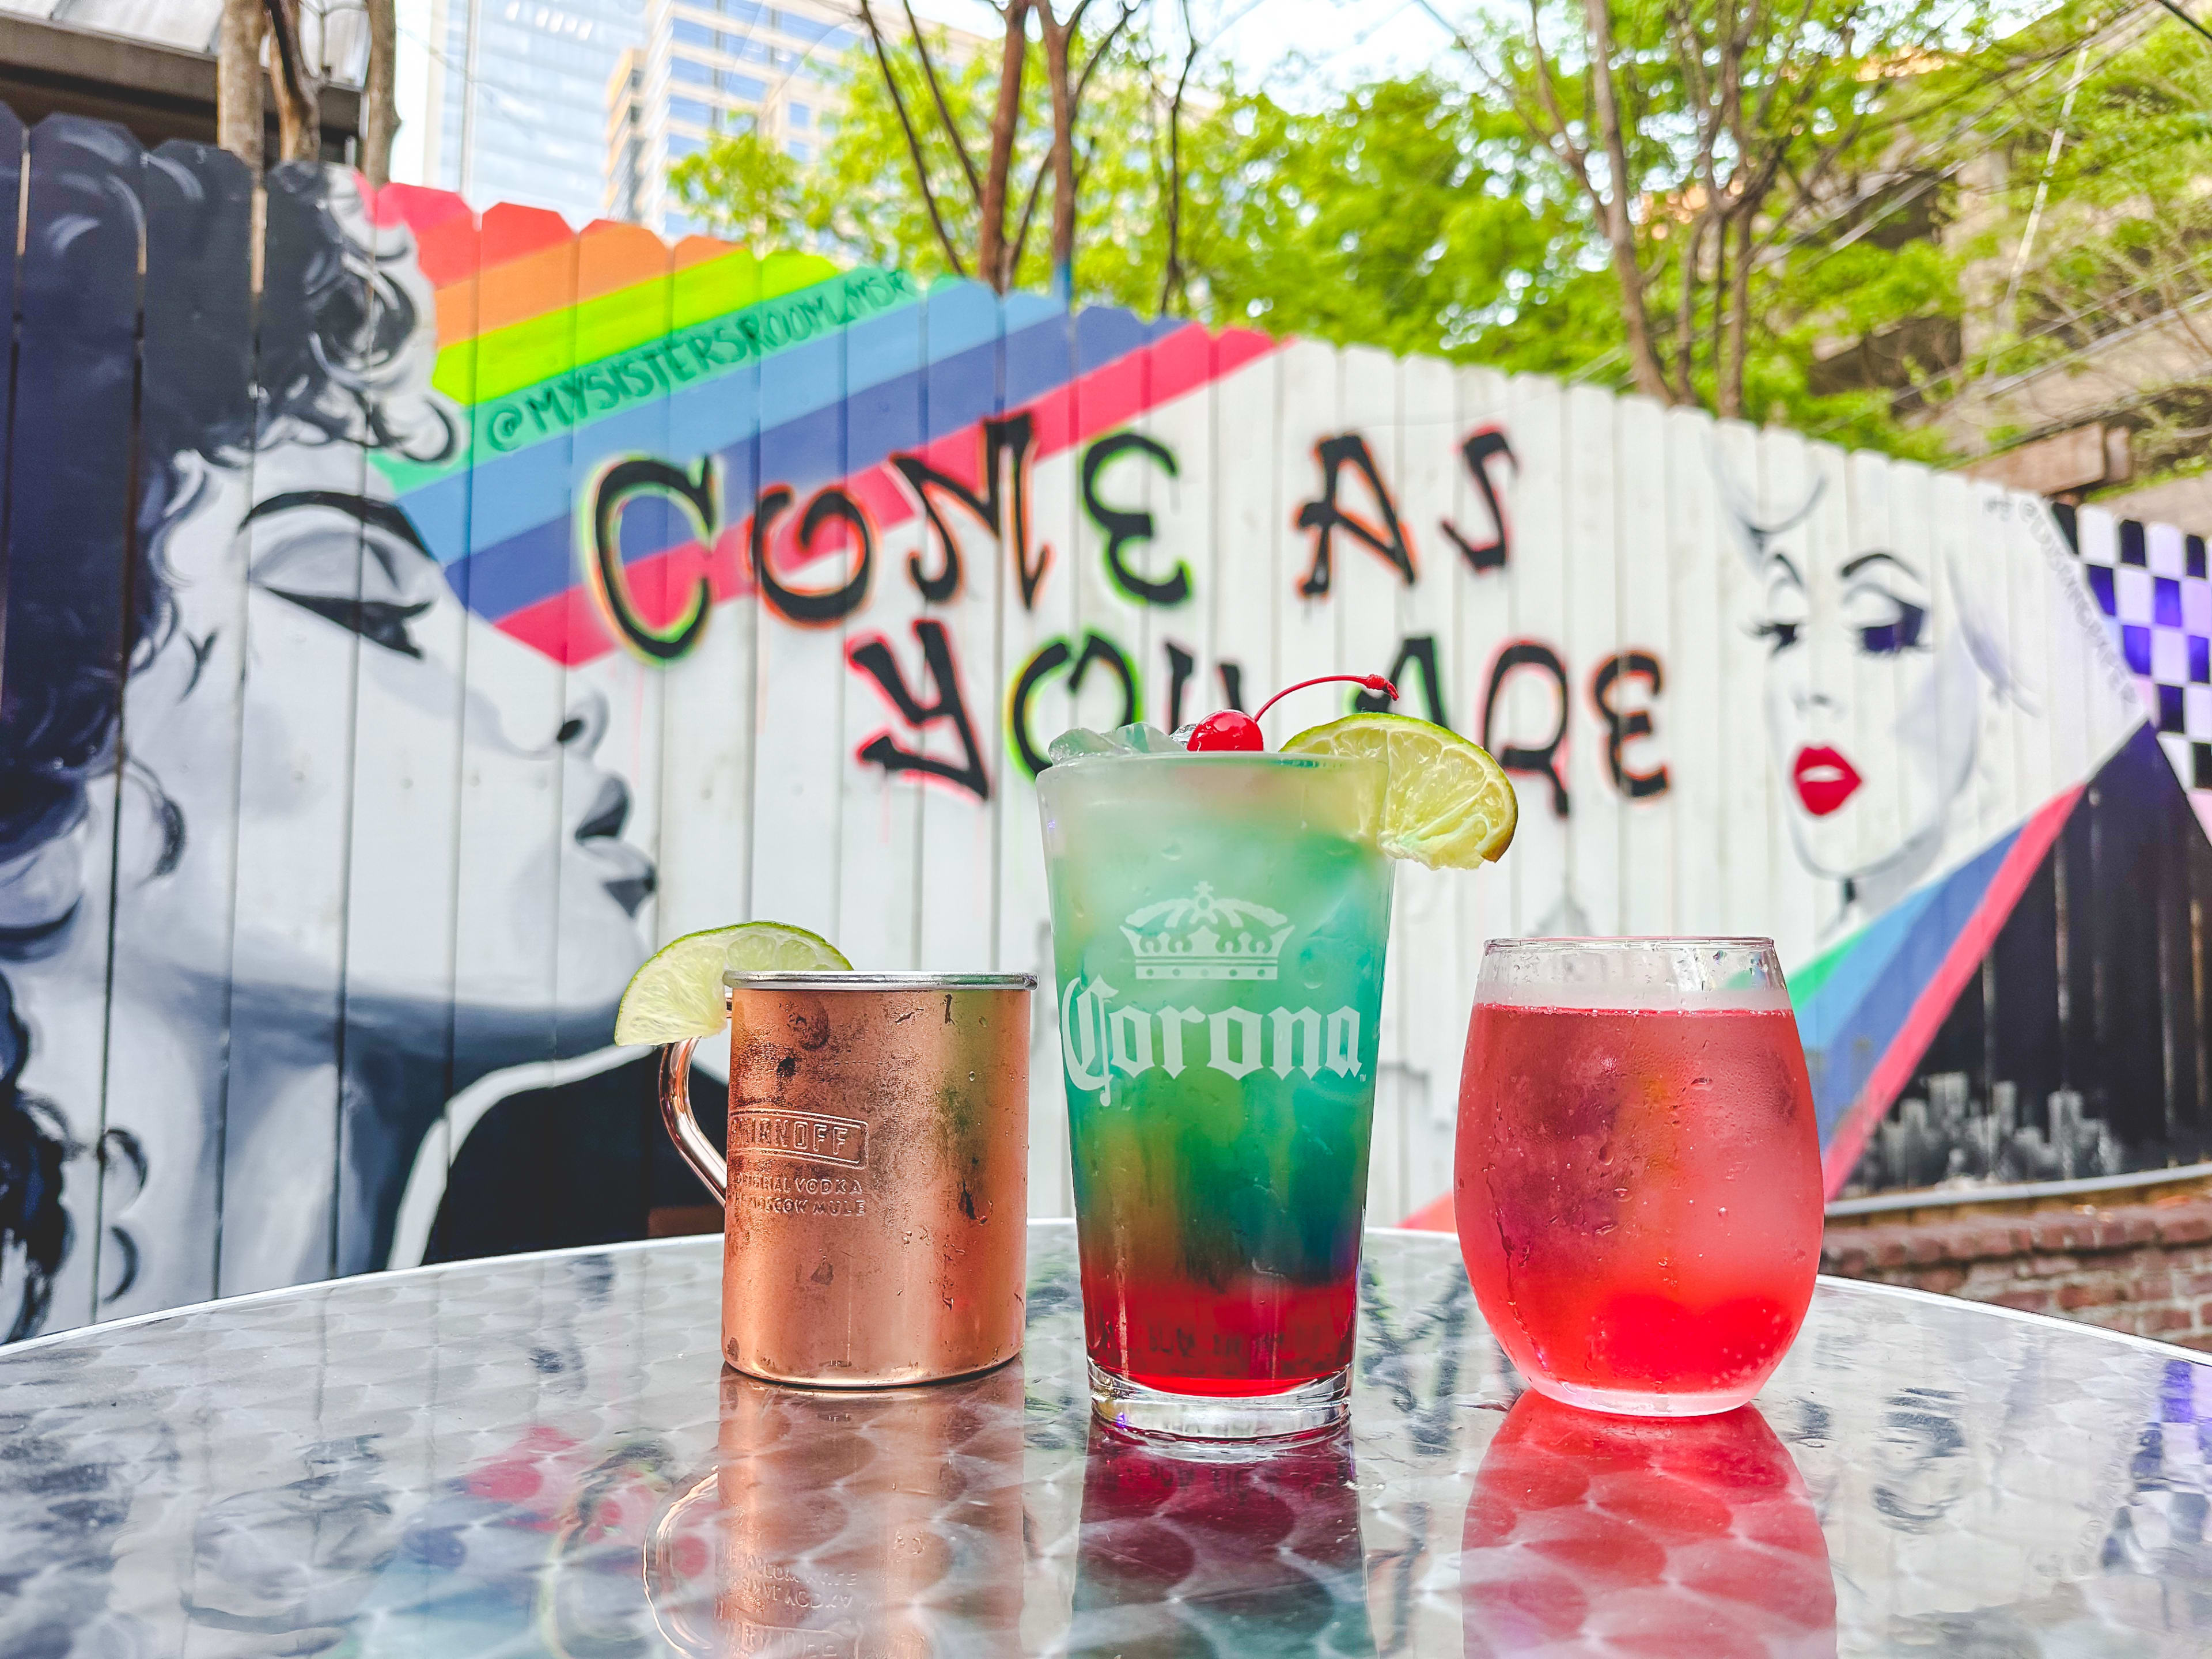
<point x="517" y="99"/>
<point x="708" y="67"/>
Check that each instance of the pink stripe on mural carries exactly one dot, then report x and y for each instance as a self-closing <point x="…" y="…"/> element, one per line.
<point x="1960" y="962"/>
<point x="567" y="628"/>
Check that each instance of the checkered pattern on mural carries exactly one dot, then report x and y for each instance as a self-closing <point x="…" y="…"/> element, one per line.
<point x="2151" y="582"/>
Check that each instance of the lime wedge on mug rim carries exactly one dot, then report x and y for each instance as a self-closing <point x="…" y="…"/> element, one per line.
<point x="1448" y="804"/>
<point x="679" y="993"/>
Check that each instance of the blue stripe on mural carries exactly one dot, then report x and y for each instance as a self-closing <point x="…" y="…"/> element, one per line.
<point x="1848" y="1025"/>
<point x="1103" y="336"/>
<point x="799" y="445"/>
<point x="504" y="483"/>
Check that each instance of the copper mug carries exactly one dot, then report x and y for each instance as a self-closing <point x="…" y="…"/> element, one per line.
<point x="875" y="1188"/>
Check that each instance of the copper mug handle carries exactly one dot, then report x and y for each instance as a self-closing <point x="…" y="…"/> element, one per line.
<point x="709" y="1164"/>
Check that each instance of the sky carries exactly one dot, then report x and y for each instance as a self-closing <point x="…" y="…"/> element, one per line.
<point x="1343" y="43"/>
<point x="1350" y="41"/>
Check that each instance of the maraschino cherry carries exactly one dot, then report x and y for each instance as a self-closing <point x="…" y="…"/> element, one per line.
<point x="1231" y="730"/>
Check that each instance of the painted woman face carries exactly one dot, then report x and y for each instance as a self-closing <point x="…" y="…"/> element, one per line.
<point x="1872" y="701"/>
<point x="323" y="675"/>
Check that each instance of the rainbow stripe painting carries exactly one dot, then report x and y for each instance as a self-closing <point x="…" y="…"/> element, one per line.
<point x="564" y="347"/>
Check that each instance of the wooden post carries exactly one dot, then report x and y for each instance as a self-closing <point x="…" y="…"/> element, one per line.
<point x="238" y="81"/>
<point x="380" y="104"/>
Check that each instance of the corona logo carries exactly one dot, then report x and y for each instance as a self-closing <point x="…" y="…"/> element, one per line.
<point x="1099" y="1038"/>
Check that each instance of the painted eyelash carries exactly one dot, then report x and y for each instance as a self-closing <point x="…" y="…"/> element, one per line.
<point x="1783" y="634"/>
<point x="378" y="622"/>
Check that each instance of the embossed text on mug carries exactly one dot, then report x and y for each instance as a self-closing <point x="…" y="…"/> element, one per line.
<point x="810" y="1135"/>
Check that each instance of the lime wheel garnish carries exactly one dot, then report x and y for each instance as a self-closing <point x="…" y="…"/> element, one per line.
<point x="679" y="993"/>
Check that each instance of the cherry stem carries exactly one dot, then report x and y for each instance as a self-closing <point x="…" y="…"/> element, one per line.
<point x="1371" y="682"/>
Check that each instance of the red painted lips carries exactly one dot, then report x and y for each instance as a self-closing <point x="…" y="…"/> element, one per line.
<point x="1825" y="780"/>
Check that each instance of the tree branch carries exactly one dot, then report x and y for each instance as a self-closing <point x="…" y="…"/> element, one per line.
<point x="1650" y="379"/>
<point x="1082" y="81"/>
<point x="912" y="142"/>
<point x="944" y="111"/>
<point x="991" y="257"/>
<point x="1029" y="212"/>
<point x="1171" y="276"/>
<point x="299" y="117"/>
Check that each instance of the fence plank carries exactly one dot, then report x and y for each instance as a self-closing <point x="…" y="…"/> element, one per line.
<point x="1808" y="700"/>
<point x="708" y="709"/>
<point x="956" y="927"/>
<point x="439" y="515"/>
<point x="1699" y="543"/>
<point x="512" y="854"/>
<point x="1589" y="625"/>
<point x="1748" y="832"/>
<point x="1972" y="534"/>
<point x="1430" y="906"/>
<point x="180" y="731"/>
<point x="1306" y="641"/>
<point x="1255" y="550"/>
<point x="1483" y="581"/>
<point x="798" y="709"/>
<point x="886" y="412"/>
<point x="404" y="795"/>
<point x="1529" y="704"/>
<point x="282" y="1167"/>
<point x="1038" y="623"/>
<point x="1647" y="668"/>
<point x="626" y="291"/>
<point x="70" y="630"/>
<point x="1367" y="595"/>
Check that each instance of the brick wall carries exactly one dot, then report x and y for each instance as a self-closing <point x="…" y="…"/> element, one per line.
<point x="2145" y="1268"/>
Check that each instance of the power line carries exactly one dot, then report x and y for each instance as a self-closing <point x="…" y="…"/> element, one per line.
<point x="2186" y="18"/>
<point x="1930" y="181"/>
<point x="2074" y="355"/>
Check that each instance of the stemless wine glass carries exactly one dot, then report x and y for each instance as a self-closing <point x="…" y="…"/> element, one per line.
<point x="1638" y="1185"/>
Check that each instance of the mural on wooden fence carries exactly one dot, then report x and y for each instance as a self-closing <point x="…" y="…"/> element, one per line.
<point x="393" y="655"/>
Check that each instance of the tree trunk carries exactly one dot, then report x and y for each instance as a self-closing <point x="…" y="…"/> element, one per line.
<point x="1620" y="232"/>
<point x="1729" y="390"/>
<point x="1686" y="309"/>
<point x="238" y="81"/>
<point x="379" y="101"/>
<point x="1062" y="154"/>
<point x="299" y="116"/>
<point x="992" y="260"/>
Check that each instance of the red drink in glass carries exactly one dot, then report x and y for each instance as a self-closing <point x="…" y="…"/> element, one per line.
<point x="1639" y="1179"/>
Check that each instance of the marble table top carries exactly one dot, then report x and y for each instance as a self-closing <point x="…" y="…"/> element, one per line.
<point x="544" y="1456"/>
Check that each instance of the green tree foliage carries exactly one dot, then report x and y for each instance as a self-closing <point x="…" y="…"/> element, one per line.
<point x="1405" y="216"/>
<point x="1434" y="214"/>
<point x="743" y="189"/>
<point x="859" y="200"/>
<point x="2118" y="269"/>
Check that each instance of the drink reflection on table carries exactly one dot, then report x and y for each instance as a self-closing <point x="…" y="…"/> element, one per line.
<point x="1249" y="1553"/>
<point x="879" y="1523"/>
<point x="1693" y="1535"/>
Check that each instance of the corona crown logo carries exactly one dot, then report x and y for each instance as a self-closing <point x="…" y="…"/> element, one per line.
<point x="1203" y="937"/>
